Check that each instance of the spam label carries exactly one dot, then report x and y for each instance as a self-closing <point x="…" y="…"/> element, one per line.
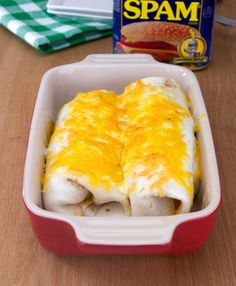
<point x="172" y="31"/>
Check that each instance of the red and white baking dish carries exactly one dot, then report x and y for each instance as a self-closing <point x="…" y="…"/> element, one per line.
<point x="67" y="234"/>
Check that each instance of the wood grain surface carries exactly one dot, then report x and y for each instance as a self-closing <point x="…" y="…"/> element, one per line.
<point x="24" y="262"/>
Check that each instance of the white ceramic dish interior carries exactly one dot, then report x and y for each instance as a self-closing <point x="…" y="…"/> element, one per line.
<point x="113" y="72"/>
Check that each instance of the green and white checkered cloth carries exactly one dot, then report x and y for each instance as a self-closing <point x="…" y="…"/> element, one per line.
<point x="45" y="32"/>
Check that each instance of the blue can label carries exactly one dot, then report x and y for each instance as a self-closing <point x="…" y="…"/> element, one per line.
<point x="173" y="31"/>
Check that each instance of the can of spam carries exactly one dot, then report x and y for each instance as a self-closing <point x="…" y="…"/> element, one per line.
<point x="172" y="31"/>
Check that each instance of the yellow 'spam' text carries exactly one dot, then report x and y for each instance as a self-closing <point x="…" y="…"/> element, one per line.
<point x="141" y="9"/>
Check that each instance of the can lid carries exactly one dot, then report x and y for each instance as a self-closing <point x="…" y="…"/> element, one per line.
<point x="93" y="8"/>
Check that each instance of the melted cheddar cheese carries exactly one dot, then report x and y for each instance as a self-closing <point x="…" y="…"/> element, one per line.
<point x="90" y="140"/>
<point x="153" y="140"/>
<point x="109" y="139"/>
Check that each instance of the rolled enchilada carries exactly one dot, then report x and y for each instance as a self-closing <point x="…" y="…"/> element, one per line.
<point x="83" y="174"/>
<point x="159" y="154"/>
<point x="133" y="154"/>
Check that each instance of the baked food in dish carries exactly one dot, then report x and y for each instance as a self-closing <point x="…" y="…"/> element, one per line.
<point x="159" y="154"/>
<point x="160" y="39"/>
<point x="83" y="173"/>
<point x="133" y="154"/>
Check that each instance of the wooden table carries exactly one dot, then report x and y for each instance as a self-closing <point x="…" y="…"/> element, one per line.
<point x="24" y="262"/>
